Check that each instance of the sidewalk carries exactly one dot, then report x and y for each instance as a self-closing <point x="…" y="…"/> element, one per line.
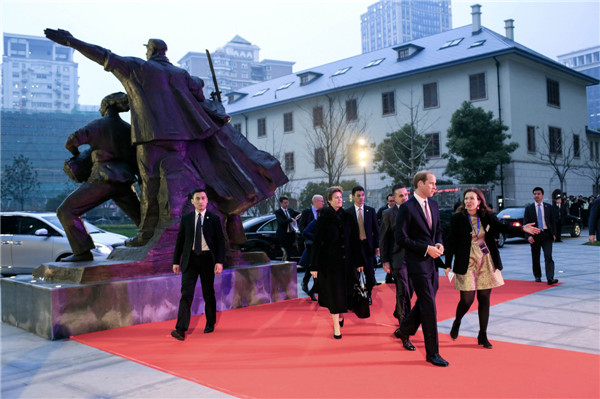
<point x="566" y="317"/>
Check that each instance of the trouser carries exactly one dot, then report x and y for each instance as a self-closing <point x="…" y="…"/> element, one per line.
<point x="88" y="196"/>
<point x="199" y="265"/>
<point x="404" y="292"/>
<point x="369" y="265"/>
<point x="424" y="312"/>
<point x="542" y="241"/>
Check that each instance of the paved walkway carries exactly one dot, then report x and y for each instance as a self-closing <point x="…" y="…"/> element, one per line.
<point x="566" y="317"/>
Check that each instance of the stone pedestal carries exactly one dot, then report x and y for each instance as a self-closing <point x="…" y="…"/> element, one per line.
<point x="64" y="299"/>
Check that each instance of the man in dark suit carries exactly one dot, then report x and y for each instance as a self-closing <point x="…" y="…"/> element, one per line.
<point x="392" y="255"/>
<point x="419" y="232"/>
<point x="365" y="220"/>
<point x="389" y="202"/>
<point x="286" y="226"/>
<point x="307" y="216"/>
<point x="541" y="214"/>
<point x="199" y="251"/>
<point x="594" y="221"/>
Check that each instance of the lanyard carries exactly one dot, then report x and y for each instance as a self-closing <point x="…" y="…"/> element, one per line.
<point x="478" y="229"/>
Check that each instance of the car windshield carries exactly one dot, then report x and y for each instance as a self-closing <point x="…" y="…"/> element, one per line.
<point x="512" y="213"/>
<point x="90" y="227"/>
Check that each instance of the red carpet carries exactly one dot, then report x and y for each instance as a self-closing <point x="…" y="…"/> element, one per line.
<point x="286" y="350"/>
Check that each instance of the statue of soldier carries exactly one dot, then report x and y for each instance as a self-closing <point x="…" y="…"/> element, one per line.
<point x="113" y="172"/>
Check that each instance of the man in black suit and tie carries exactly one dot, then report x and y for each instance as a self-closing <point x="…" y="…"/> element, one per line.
<point x="389" y="203"/>
<point x="392" y="254"/>
<point x="307" y="216"/>
<point x="541" y="214"/>
<point x="419" y="232"/>
<point x="365" y="220"/>
<point x="199" y="251"/>
<point x="286" y="226"/>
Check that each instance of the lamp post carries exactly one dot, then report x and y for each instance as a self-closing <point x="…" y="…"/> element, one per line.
<point x="363" y="160"/>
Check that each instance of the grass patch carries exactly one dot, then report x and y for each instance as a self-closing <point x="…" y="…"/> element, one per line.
<point x="128" y="230"/>
<point x="595" y="244"/>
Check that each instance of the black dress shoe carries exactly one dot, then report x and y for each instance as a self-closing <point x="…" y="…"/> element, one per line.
<point x="437" y="360"/>
<point x="313" y="297"/>
<point x="454" y="330"/>
<point x="482" y="340"/>
<point x="405" y="340"/>
<point x="552" y="282"/>
<point x="538" y="279"/>
<point x="180" y="335"/>
<point x="305" y="288"/>
<point x="85" y="256"/>
<point x="209" y="328"/>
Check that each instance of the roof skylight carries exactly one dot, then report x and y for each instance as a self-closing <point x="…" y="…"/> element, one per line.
<point x="341" y="71"/>
<point x="452" y="43"/>
<point x="374" y="63"/>
<point x="260" y="93"/>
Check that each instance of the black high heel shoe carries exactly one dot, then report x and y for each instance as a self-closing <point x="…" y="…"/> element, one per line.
<point x="482" y="340"/>
<point x="342" y="323"/>
<point x="454" y="330"/>
<point x="337" y="336"/>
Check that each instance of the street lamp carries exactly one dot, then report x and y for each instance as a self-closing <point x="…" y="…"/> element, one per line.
<point x="363" y="160"/>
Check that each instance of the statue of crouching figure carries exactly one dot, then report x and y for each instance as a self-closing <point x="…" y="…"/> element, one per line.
<point x="113" y="172"/>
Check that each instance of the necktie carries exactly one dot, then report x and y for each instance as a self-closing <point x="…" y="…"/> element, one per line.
<point x="198" y="236"/>
<point x="540" y="217"/>
<point x="427" y="215"/>
<point x="361" y="225"/>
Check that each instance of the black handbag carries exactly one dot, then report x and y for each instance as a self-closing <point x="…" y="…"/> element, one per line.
<point x="360" y="299"/>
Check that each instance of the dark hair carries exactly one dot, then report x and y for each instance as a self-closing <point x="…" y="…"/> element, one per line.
<point x="283" y="198"/>
<point x="357" y="188"/>
<point x="332" y="190"/>
<point x="387" y="197"/>
<point x="483" y="206"/>
<point x="397" y="186"/>
<point x="421" y="176"/>
<point x="538" y="189"/>
<point x="197" y="190"/>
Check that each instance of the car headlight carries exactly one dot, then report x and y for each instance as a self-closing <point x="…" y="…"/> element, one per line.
<point x="102" y="249"/>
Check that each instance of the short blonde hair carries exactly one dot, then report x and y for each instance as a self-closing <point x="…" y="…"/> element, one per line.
<point x="421" y="176"/>
<point x="332" y="190"/>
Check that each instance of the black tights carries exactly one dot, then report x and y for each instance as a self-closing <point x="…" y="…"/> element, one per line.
<point x="466" y="300"/>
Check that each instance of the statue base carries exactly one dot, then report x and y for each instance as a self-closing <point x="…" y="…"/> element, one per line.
<point x="64" y="299"/>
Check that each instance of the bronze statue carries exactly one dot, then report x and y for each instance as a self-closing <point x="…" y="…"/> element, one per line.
<point x="113" y="171"/>
<point x="171" y="131"/>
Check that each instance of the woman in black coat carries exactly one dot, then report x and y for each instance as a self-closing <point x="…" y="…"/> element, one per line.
<point x="472" y="245"/>
<point x="335" y="257"/>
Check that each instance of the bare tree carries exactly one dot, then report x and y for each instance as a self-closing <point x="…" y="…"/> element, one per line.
<point x="591" y="166"/>
<point x="19" y="180"/>
<point x="335" y="126"/>
<point x="558" y="153"/>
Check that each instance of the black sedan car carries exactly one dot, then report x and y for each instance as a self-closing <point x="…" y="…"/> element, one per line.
<point x="260" y="235"/>
<point x="515" y="216"/>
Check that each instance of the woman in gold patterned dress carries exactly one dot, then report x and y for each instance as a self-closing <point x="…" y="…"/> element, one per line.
<point x="472" y="245"/>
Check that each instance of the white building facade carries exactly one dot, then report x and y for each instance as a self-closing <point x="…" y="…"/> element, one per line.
<point x="536" y="97"/>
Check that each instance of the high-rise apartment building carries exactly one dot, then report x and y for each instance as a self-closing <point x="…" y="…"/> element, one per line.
<point x="236" y="66"/>
<point x="588" y="62"/>
<point x="391" y="22"/>
<point x="38" y="75"/>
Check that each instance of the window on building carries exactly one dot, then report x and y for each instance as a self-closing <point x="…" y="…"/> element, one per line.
<point x="530" y="138"/>
<point x="262" y="127"/>
<point x="238" y="127"/>
<point x="477" y="43"/>
<point x="374" y="63"/>
<point x="288" y="122"/>
<point x="388" y="103"/>
<point x="576" y="146"/>
<point x="351" y="110"/>
<point x="452" y="43"/>
<point x="289" y="161"/>
<point x="555" y="140"/>
<point x="477" y="86"/>
<point x="403" y="54"/>
<point x="341" y="71"/>
<point x="553" y="92"/>
<point x="433" y="145"/>
<point x="430" y="95"/>
<point x="318" y="116"/>
<point x="319" y="158"/>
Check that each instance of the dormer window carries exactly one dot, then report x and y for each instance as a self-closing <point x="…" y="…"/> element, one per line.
<point x="341" y="71"/>
<point x="374" y="63"/>
<point x="452" y="43"/>
<point x="235" y="96"/>
<point x="308" y="77"/>
<point x="407" y="51"/>
<point x="260" y="92"/>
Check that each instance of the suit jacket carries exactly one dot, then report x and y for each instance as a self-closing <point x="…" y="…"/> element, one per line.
<point x="371" y="226"/>
<point x="283" y="222"/>
<point x="213" y="235"/>
<point x="458" y="246"/>
<point x="413" y="233"/>
<point x="307" y="217"/>
<point x="531" y="217"/>
<point x="594" y="220"/>
<point x="389" y="249"/>
<point x="380" y="213"/>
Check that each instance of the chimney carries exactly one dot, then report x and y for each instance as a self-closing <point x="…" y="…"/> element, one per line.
<point x="509" y="28"/>
<point x="476" y="13"/>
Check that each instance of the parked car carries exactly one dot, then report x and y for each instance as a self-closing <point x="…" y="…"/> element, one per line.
<point x="30" y="239"/>
<point x="260" y="236"/>
<point x="515" y="216"/>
